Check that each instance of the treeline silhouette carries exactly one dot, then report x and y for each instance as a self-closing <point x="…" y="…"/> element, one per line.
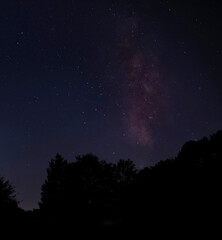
<point x="96" y="196"/>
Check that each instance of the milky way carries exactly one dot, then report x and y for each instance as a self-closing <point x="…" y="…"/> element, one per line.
<point x="145" y="93"/>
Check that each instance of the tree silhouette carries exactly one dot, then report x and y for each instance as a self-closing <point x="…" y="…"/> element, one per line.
<point x="125" y="171"/>
<point x="95" y="193"/>
<point x="51" y="189"/>
<point x="8" y="202"/>
<point x="87" y="188"/>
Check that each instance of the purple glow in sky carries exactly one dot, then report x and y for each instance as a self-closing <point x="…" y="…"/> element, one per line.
<point x="146" y="94"/>
<point x="121" y="79"/>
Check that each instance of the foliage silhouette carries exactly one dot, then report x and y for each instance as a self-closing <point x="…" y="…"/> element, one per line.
<point x="88" y="189"/>
<point x="10" y="213"/>
<point x="92" y="195"/>
<point x="51" y="189"/>
<point x="8" y="200"/>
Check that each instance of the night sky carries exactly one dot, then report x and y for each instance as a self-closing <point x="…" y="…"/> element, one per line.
<point x="120" y="79"/>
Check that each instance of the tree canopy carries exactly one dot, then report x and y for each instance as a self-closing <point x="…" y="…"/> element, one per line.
<point x="92" y="192"/>
<point x="8" y="202"/>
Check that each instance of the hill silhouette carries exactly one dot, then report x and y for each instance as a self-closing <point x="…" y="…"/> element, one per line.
<point x="91" y="196"/>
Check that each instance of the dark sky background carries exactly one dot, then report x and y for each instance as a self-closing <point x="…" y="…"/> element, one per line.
<point x="120" y="79"/>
